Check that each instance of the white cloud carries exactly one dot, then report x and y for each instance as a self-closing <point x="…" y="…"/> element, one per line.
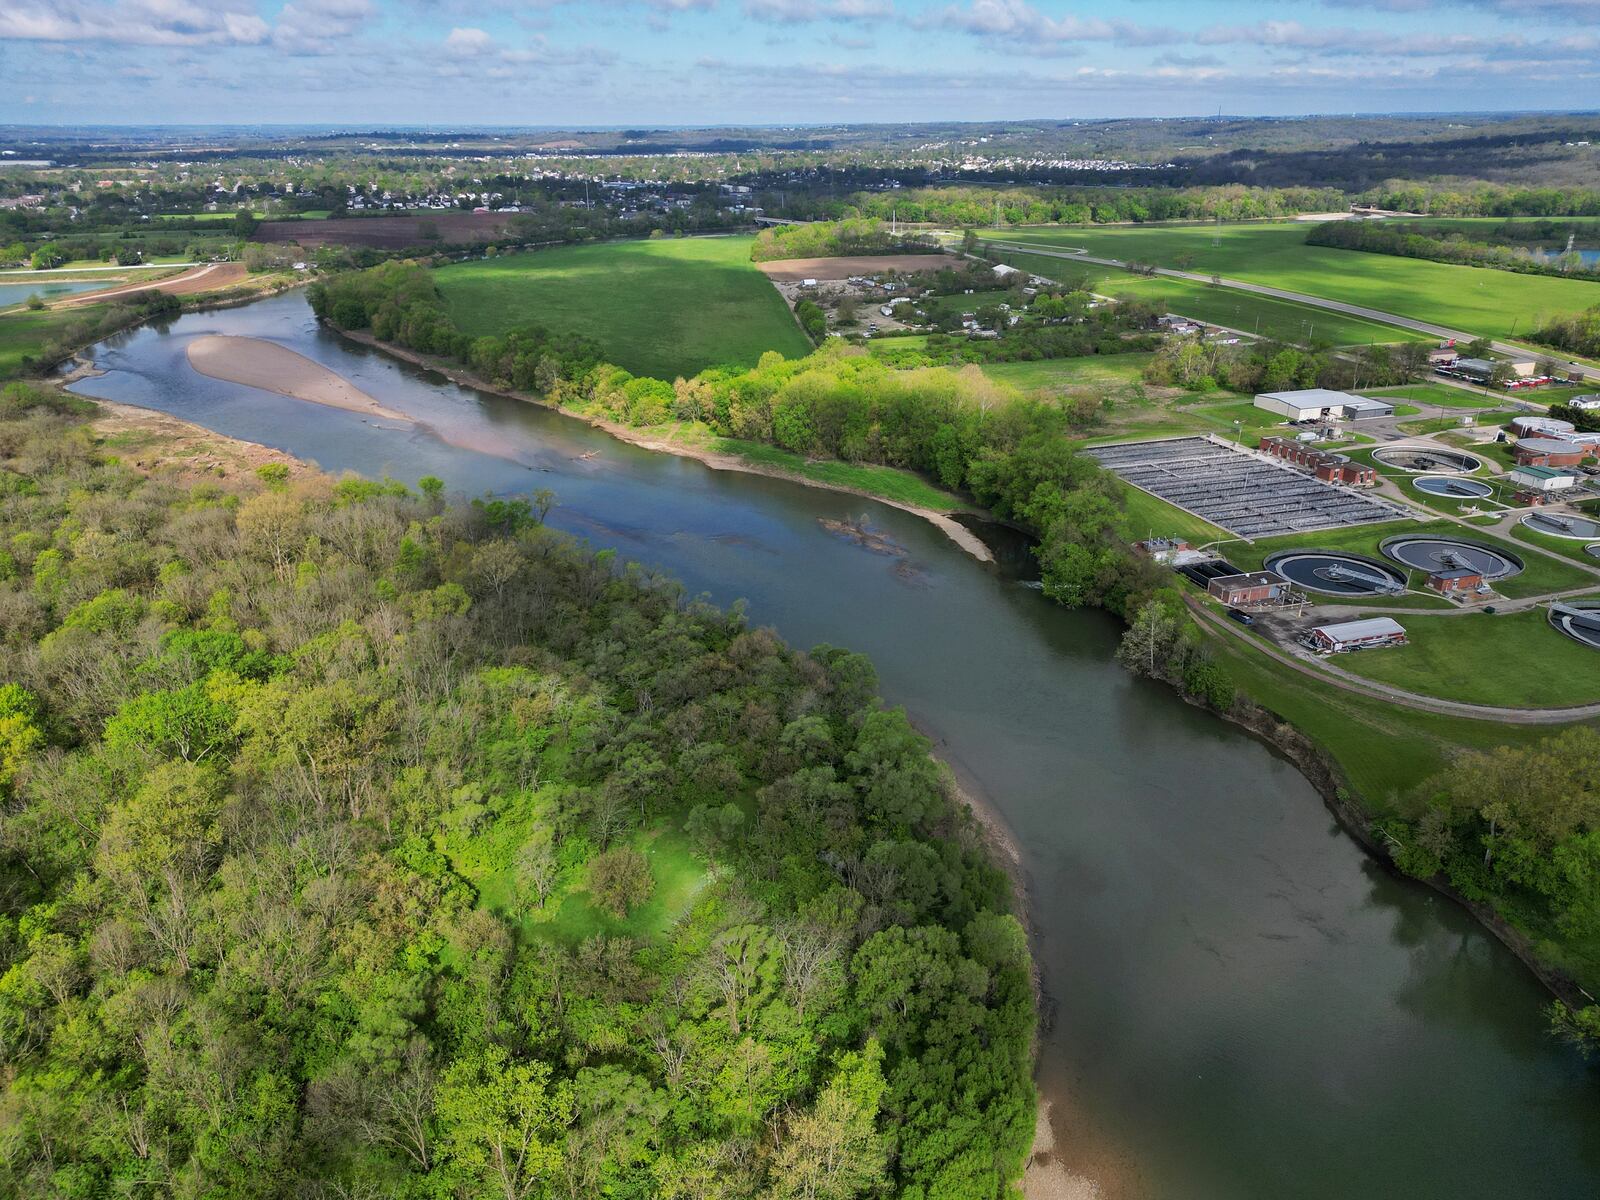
<point x="1018" y="21"/>
<point x="135" y="22"/>
<point x="466" y="41"/>
<point x="315" y="26"/>
<point x="799" y="12"/>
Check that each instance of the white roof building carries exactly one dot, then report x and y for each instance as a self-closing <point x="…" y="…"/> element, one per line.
<point x="1309" y="404"/>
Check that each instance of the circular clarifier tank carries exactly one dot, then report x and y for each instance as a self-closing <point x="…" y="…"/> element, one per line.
<point x="1579" y="620"/>
<point x="1427" y="460"/>
<point x="1453" y="487"/>
<point x="1435" y="554"/>
<point x="1561" y="525"/>
<point x="1335" y="574"/>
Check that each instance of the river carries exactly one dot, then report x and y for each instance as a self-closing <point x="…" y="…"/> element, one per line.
<point x="1243" y="1004"/>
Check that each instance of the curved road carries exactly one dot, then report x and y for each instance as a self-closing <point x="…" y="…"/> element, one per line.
<point x="1261" y="289"/>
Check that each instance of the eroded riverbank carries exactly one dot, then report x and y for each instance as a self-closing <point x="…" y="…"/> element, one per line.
<point x="646" y="439"/>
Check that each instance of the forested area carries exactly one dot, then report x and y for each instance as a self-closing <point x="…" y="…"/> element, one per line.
<point x="1039" y="204"/>
<point x="1198" y="365"/>
<point x="827" y="239"/>
<point x="1450" y="247"/>
<point x="1519" y="827"/>
<point x="357" y="843"/>
<point x="1082" y="205"/>
<point x="1578" y="333"/>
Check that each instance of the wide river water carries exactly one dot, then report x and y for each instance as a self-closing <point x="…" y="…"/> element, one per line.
<point x="1243" y="1004"/>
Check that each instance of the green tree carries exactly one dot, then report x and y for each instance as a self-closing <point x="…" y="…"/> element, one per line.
<point x="500" y="1124"/>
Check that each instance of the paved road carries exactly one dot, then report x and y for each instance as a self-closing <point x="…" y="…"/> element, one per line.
<point x="1261" y="289"/>
<point x="93" y="270"/>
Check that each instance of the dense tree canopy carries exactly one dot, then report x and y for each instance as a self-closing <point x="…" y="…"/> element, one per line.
<point x="354" y="843"/>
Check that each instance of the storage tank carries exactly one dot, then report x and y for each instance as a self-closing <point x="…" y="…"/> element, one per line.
<point x="1540" y="427"/>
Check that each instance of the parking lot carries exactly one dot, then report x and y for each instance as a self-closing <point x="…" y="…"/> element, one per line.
<point x="1239" y="492"/>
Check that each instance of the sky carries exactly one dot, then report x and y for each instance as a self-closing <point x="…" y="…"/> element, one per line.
<point x="720" y="62"/>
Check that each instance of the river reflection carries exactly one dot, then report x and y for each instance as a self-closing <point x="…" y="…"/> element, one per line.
<point x="1243" y="1004"/>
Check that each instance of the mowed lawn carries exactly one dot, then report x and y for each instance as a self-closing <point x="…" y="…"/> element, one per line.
<point x="1516" y="660"/>
<point x="1063" y="374"/>
<point x="1480" y="300"/>
<point x="665" y="308"/>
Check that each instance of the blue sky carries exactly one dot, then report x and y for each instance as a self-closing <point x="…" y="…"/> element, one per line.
<point x="553" y="62"/>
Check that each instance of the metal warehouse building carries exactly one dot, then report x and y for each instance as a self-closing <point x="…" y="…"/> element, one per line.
<point x="1357" y="635"/>
<point x="1310" y="404"/>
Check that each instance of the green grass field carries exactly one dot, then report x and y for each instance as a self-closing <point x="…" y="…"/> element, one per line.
<point x="1476" y="299"/>
<point x="1148" y="516"/>
<point x="890" y="483"/>
<point x="1064" y="374"/>
<point x="1282" y="320"/>
<point x="1435" y="393"/>
<point x="665" y="308"/>
<point x="1516" y="660"/>
<point x="1385" y="751"/>
<point x="22" y="332"/>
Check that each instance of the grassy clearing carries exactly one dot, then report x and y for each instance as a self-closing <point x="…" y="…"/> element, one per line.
<point x="888" y="483"/>
<point x="910" y="341"/>
<point x="1435" y="393"/>
<point x="1384" y="750"/>
<point x="1064" y="374"/>
<point x="1513" y="659"/>
<point x="1568" y="547"/>
<point x="23" y="332"/>
<point x="1149" y="516"/>
<point x="1478" y="299"/>
<point x="665" y="307"/>
<point x="679" y="877"/>
<point x="1283" y="320"/>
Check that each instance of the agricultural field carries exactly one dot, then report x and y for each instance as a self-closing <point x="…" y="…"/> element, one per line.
<point x="1479" y="300"/>
<point x="663" y="307"/>
<point x="1281" y="320"/>
<point x="1516" y="660"/>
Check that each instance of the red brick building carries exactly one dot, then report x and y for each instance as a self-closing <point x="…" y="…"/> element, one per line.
<point x="1548" y="452"/>
<point x="1252" y="589"/>
<point x="1459" y="580"/>
<point x="1327" y="466"/>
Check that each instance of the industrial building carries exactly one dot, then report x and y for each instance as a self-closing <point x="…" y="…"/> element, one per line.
<point x="1324" y="464"/>
<point x="1481" y="370"/>
<point x="1356" y="635"/>
<point x="1524" y="427"/>
<point x="1542" y="479"/>
<point x="1251" y="589"/>
<point x="1312" y="404"/>
<point x="1548" y="452"/>
<point x="1461" y="579"/>
<point x="1589" y="403"/>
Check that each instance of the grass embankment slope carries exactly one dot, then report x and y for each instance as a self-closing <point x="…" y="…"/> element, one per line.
<point x="1480" y="300"/>
<point x="665" y="307"/>
<point x="1514" y="660"/>
<point x="24" y="333"/>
